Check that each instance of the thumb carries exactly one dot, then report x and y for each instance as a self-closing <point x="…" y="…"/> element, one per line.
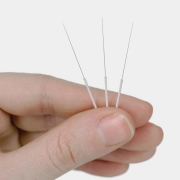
<point x="81" y="138"/>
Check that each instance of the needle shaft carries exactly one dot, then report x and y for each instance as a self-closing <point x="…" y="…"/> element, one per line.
<point x="121" y="81"/>
<point x="85" y="81"/>
<point x="105" y="78"/>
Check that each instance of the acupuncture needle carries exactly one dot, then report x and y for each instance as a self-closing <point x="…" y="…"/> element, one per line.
<point x="105" y="77"/>
<point x="85" y="81"/>
<point x="121" y="81"/>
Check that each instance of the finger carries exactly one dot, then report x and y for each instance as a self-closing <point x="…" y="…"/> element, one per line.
<point x="146" y="138"/>
<point x="104" y="168"/>
<point x="8" y="133"/>
<point x="36" y="123"/>
<point x="5" y="124"/>
<point x="80" y="139"/>
<point x="128" y="157"/>
<point x="27" y="137"/>
<point x="42" y="95"/>
<point x="10" y="142"/>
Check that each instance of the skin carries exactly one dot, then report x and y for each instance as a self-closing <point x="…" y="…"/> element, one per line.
<point x="47" y="129"/>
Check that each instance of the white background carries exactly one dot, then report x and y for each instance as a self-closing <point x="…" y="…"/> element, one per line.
<point x="32" y="39"/>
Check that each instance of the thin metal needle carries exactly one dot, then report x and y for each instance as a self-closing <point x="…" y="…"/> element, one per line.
<point x="73" y="50"/>
<point x="127" y="50"/>
<point x="121" y="81"/>
<point x="105" y="78"/>
<point x="85" y="81"/>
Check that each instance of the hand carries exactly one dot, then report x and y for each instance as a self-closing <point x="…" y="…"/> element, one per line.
<point x="48" y="127"/>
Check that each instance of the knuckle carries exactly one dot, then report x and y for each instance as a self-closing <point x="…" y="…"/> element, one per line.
<point x="67" y="149"/>
<point x="45" y="103"/>
<point x="64" y="153"/>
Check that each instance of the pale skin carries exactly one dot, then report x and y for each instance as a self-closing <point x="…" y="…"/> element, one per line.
<point x="48" y="126"/>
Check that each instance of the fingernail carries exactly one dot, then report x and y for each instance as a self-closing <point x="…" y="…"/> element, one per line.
<point x="115" y="129"/>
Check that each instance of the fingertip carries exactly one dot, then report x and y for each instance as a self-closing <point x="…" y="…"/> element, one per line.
<point x="160" y="135"/>
<point x="146" y="110"/>
<point x="146" y="138"/>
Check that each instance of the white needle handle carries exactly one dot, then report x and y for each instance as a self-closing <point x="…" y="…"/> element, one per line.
<point x="119" y="93"/>
<point x="90" y="94"/>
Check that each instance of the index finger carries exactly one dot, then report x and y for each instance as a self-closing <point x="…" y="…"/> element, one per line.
<point x="34" y="94"/>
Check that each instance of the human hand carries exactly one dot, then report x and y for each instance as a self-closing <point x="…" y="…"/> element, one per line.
<point x="48" y="127"/>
